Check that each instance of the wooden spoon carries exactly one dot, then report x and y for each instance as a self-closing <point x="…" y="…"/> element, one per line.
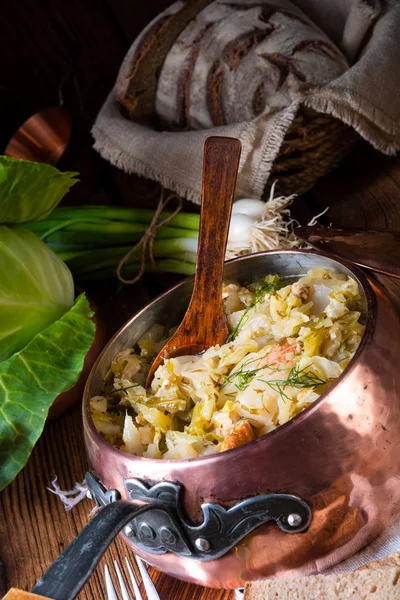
<point x="204" y="323"/>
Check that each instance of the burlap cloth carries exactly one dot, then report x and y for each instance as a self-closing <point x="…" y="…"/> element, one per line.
<point x="366" y="96"/>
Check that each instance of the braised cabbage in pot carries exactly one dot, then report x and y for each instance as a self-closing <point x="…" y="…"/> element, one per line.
<point x="288" y="342"/>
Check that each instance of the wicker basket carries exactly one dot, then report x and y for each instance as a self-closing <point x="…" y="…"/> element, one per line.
<point x="314" y="145"/>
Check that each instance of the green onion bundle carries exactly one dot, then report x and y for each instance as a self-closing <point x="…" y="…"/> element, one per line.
<point x="92" y="240"/>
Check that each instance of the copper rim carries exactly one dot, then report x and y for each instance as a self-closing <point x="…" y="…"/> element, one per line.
<point x="369" y="327"/>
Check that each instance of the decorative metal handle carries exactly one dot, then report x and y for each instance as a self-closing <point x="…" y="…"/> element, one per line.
<point x="165" y="528"/>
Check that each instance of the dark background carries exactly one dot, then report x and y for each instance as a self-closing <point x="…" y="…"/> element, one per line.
<point x="74" y="44"/>
<point x="73" y="48"/>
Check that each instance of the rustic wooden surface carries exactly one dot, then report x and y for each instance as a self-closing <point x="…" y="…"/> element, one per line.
<point x="76" y="47"/>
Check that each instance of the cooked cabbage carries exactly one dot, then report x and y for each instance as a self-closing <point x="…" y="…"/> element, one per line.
<point x="288" y="342"/>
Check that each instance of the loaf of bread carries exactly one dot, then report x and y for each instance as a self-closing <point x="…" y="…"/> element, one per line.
<point x="204" y="63"/>
<point x="379" y="580"/>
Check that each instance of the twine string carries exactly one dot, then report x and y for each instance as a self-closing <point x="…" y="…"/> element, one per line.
<point x="147" y="240"/>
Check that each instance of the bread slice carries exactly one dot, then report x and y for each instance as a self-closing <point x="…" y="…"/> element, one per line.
<point x="137" y="80"/>
<point x="379" y="580"/>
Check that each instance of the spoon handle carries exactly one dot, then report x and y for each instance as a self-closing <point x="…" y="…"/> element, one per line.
<point x="221" y="161"/>
<point x="204" y="323"/>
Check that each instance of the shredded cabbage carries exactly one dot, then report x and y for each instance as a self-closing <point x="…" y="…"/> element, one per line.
<point x="288" y="342"/>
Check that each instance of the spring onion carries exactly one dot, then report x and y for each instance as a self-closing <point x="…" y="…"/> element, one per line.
<point x="240" y="228"/>
<point x="249" y="207"/>
<point x="92" y="240"/>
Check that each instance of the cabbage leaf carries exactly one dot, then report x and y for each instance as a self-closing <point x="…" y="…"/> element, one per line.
<point x="31" y="379"/>
<point x="36" y="288"/>
<point x="29" y="191"/>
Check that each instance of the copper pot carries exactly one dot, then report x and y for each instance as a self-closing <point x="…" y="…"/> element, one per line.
<point x="339" y="458"/>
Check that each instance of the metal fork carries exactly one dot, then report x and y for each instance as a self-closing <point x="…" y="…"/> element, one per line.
<point x="151" y="591"/>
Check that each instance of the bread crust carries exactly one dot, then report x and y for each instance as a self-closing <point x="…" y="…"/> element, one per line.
<point x="378" y="580"/>
<point x="137" y="80"/>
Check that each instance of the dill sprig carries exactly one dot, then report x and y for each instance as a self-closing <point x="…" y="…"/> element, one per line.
<point x="297" y="378"/>
<point x="126" y="388"/>
<point x="243" y="377"/>
<point x="259" y="296"/>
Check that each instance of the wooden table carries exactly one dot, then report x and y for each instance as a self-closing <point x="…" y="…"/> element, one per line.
<point x="35" y="528"/>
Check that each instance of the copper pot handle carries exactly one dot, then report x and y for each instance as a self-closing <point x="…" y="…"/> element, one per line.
<point x="166" y="527"/>
<point x="64" y="579"/>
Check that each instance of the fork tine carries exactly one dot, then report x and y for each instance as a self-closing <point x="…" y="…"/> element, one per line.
<point x="151" y="591"/>
<point x="124" y="591"/>
<point x="111" y="595"/>
<point x="135" y="586"/>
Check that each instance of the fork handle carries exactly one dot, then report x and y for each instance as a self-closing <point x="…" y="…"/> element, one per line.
<point x="64" y="579"/>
